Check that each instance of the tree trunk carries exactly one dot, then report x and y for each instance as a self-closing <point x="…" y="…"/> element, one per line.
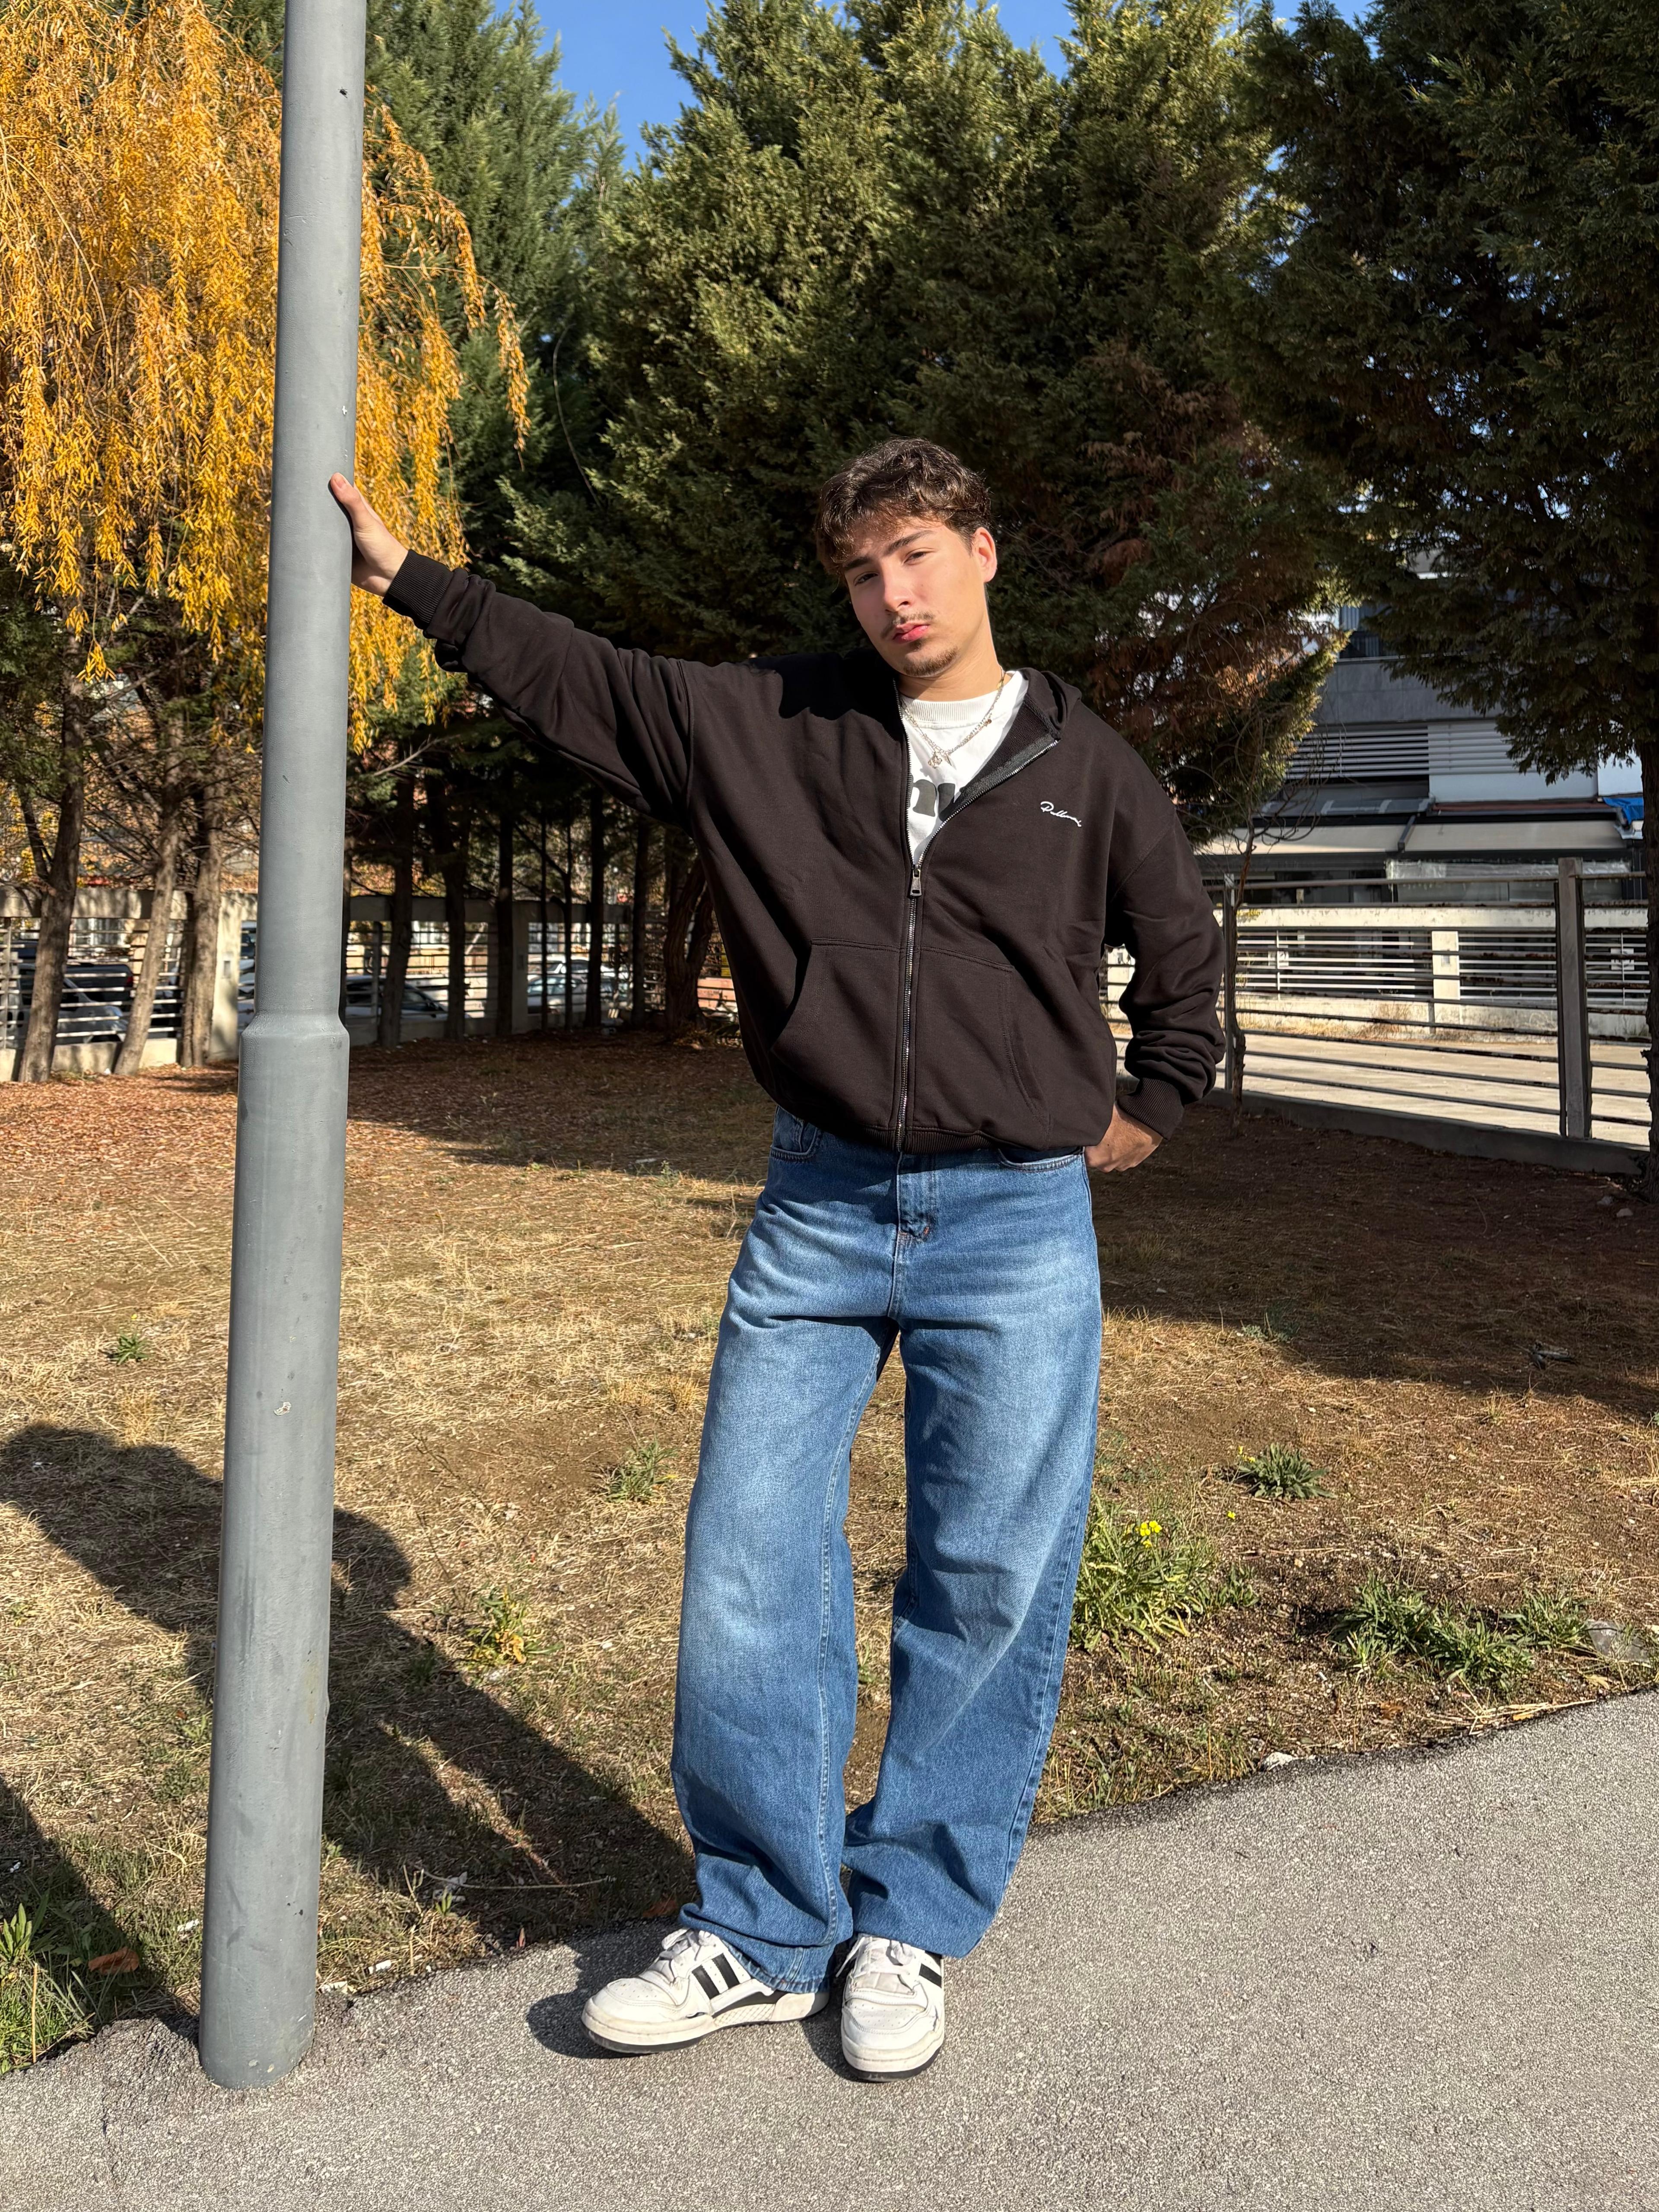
<point x="452" y="839"/>
<point x="644" y="844"/>
<point x="37" y="843"/>
<point x="593" y="1013"/>
<point x="1647" y="754"/>
<point x="569" y="917"/>
<point x="56" y="914"/>
<point x="152" y="961"/>
<point x="201" y="964"/>
<point x="688" y="932"/>
<point x="505" y="837"/>
<point x="389" y="1032"/>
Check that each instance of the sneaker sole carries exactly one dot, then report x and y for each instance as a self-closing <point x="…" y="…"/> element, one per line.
<point x="896" y="2069"/>
<point x="629" y="2042"/>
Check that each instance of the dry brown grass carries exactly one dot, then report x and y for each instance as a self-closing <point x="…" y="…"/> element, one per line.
<point x="537" y="1240"/>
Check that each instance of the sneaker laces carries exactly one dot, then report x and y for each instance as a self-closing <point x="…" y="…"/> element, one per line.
<point x="887" y="1970"/>
<point x="681" y="1955"/>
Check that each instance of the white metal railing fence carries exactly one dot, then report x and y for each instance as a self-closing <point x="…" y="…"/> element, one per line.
<point x="1452" y="1010"/>
<point x="549" y="970"/>
<point x="552" y="964"/>
<point x="103" y="956"/>
<point x="1478" y="958"/>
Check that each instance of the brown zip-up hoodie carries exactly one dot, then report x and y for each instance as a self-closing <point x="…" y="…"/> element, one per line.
<point x="929" y="1008"/>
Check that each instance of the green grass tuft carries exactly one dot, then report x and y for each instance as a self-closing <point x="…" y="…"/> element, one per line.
<point x="635" y="1478"/>
<point x="1237" y="1588"/>
<point x="49" y="1994"/>
<point x="1140" y="1579"/>
<point x="503" y="1636"/>
<point x="1389" y="1620"/>
<point x="1548" y="1620"/>
<point x="1281" y="1471"/>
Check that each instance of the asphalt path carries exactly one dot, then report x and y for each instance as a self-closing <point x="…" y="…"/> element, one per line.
<point x="1387" y="1984"/>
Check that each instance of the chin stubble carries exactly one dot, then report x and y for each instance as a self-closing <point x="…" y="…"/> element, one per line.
<point x="936" y="666"/>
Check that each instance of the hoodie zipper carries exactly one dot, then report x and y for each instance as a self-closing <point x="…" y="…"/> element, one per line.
<point x="976" y="789"/>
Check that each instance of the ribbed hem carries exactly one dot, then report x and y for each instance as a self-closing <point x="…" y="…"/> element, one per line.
<point x="1156" y="1106"/>
<point x="417" y="589"/>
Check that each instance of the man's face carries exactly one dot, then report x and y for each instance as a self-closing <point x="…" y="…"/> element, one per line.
<point x="918" y="589"/>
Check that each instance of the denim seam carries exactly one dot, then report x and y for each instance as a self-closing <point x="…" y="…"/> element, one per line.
<point x="797" y="1156"/>
<point x="795" y="1159"/>
<point x="831" y="1875"/>
<point x="1058" y="1632"/>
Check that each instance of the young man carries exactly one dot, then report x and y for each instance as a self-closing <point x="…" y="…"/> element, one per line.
<point x="918" y="859"/>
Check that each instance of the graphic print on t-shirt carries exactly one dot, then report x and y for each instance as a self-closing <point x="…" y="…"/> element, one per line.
<point x="934" y="727"/>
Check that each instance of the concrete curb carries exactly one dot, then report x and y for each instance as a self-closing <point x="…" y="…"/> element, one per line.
<point x="1428" y="1976"/>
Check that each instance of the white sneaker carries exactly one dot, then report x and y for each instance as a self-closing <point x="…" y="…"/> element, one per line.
<point x="892" y="2008"/>
<point x="694" y="1985"/>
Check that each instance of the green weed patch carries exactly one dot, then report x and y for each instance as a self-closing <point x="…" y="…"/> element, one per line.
<point x="1388" y="1621"/>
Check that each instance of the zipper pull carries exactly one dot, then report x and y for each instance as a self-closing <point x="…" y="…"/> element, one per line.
<point x="915" y="879"/>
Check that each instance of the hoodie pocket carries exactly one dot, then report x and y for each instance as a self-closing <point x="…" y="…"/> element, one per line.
<point x="834" y="1056"/>
<point x="972" y="1073"/>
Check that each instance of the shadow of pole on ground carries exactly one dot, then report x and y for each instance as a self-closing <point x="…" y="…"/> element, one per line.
<point x="414" y="1744"/>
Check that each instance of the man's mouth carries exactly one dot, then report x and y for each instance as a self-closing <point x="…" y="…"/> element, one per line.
<point x="907" y="633"/>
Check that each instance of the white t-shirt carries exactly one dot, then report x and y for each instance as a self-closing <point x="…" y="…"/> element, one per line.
<point x="944" y="723"/>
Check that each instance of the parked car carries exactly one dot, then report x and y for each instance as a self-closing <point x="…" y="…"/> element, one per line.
<point x="418" y="1001"/>
<point x="612" y="987"/>
<point x="96" y="995"/>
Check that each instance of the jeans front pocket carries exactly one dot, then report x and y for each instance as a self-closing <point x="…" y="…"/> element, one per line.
<point x="1031" y="1159"/>
<point x="793" y="1138"/>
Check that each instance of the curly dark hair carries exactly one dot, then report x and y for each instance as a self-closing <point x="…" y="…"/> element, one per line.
<point x="907" y="476"/>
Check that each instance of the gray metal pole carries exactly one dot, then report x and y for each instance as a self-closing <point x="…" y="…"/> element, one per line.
<point x="1572" y="1002"/>
<point x="271" y="1694"/>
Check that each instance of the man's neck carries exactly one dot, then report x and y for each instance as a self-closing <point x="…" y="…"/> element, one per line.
<point x="974" y="672"/>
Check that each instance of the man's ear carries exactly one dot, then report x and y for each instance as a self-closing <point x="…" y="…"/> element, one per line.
<point x="985" y="552"/>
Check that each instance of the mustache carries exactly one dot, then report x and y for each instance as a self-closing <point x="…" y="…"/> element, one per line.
<point x="906" y="622"/>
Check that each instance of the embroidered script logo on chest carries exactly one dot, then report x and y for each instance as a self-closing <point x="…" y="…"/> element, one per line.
<point x="1059" y="812"/>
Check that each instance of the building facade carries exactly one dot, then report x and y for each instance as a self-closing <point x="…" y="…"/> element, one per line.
<point x="1395" y="785"/>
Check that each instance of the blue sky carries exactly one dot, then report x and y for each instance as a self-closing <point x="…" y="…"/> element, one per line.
<point x="616" y="49"/>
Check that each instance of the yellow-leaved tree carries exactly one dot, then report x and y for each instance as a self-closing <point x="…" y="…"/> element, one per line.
<point x="138" y="230"/>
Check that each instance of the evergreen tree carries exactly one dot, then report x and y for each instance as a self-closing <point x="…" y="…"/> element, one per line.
<point x="893" y="220"/>
<point x="1453" y="318"/>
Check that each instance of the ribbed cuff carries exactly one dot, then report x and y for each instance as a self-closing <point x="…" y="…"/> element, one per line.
<point x="1156" y="1106"/>
<point x="417" y="589"/>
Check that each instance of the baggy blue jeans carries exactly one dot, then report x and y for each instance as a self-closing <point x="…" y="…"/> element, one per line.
<point x="982" y="1266"/>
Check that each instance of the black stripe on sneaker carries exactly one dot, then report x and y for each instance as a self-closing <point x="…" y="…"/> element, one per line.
<point x="932" y="1974"/>
<point x="728" y="1973"/>
<point x="710" y="1986"/>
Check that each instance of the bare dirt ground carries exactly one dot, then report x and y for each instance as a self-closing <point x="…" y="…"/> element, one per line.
<point x="537" y="1244"/>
